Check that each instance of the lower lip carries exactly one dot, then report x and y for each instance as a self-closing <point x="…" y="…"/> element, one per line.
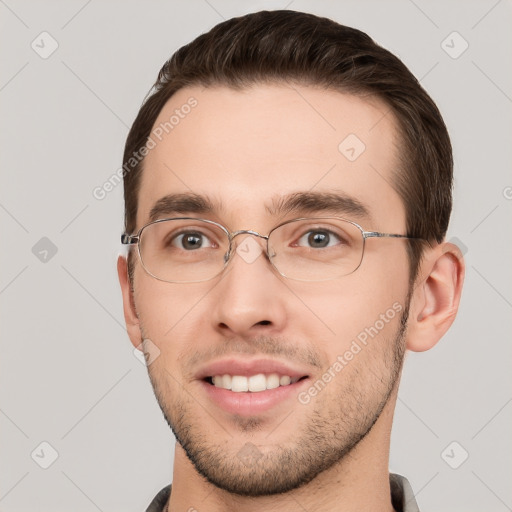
<point x="251" y="403"/>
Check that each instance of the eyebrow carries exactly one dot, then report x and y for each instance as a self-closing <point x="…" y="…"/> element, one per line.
<point x="181" y="204"/>
<point x="319" y="202"/>
<point x="299" y="203"/>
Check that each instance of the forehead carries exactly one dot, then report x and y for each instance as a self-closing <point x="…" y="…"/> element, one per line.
<point x="245" y="150"/>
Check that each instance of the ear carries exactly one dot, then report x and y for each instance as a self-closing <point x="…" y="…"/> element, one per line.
<point x="436" y="296"/>
<point x="130" y="314"/>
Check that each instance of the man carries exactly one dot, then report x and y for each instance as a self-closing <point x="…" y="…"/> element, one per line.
<point x="287" y="194"/>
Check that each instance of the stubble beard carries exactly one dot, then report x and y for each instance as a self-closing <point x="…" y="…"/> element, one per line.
<point x="328" y="436"/>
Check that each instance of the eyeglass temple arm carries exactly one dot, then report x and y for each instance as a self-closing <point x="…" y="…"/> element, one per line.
<point x="376" y="234"/>
<point x="129" y="239"/>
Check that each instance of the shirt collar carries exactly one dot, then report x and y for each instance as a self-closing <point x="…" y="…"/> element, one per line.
<point x="402" y="496"/>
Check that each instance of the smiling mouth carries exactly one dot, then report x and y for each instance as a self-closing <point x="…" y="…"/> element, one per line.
<point x="253" y="383"/>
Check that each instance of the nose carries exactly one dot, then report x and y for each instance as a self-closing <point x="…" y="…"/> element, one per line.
<point x="249" y="300"/>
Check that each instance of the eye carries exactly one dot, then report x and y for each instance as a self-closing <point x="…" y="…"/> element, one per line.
<point x="191" y="240"/>
<point x="318" y="239"/>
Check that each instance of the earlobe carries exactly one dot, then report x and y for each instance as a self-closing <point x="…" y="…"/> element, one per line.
<point x="130" y="314"/>
<point x="436" y="296"/>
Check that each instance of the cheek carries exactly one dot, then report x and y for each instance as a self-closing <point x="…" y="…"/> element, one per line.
<point x="342" y="310"/>
<point x="169" y="313"/>
<point x="170" y="317"/>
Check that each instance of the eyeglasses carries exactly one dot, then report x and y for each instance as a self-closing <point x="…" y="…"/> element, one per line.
<point x="190" y="250"/>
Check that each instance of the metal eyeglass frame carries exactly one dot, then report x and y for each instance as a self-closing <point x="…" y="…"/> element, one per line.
<point x="136" y="238"/>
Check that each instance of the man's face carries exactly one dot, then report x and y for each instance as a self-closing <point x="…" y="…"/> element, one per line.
<point x="247" y="152"/>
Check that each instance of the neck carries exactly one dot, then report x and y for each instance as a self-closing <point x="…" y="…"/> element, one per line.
<point x="360" y="481"/>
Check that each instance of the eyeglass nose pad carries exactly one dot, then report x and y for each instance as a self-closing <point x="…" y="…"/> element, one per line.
<point x="228" y="255"/>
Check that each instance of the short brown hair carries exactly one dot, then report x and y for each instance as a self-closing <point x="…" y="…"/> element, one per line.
<point x="293" y="47"/>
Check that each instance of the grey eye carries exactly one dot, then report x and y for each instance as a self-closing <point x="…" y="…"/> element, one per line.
<point x="318" y="239"/>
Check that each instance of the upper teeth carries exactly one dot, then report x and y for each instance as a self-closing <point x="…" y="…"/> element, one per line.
<point x="254" y="383"/>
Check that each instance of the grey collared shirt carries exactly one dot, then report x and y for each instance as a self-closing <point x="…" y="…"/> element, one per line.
<point x="402" y="496"/>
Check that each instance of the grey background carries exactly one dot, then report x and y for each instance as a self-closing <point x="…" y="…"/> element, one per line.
<point x="68" y="373"/>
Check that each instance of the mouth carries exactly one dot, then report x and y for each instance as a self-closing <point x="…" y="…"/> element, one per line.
<point x="252" y="386"/>
<point x="252" y="383"/>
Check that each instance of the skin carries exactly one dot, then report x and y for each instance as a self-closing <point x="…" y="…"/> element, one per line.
<point x="242" y="148"/>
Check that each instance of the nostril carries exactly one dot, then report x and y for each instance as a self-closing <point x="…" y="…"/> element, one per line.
<point x="264" y="322"/>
